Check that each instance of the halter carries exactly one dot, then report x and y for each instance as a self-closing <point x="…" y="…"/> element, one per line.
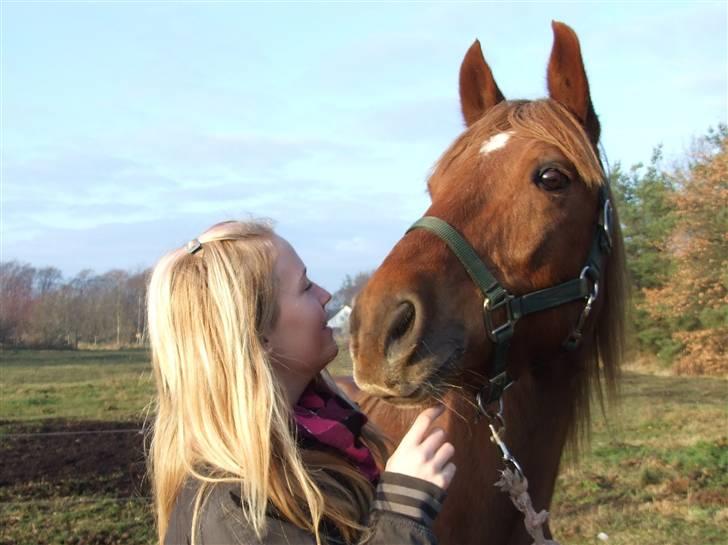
<point x="496" y="297"/>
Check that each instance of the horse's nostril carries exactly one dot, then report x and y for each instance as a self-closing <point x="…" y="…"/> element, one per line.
<point x="403" y="319"/>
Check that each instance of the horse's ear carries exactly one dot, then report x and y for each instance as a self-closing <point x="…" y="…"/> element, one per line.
<point x="478" y="90"/>
<point x="567" y="79"/>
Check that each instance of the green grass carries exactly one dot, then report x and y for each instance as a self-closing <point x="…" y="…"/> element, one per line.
<point x="83" y="385"/>
<point x="65" y="521"/>
<point x="655" y="472"/>
<point x="45" y="359"/>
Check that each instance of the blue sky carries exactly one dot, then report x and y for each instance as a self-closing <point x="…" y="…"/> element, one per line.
<point x="129" y="127"/>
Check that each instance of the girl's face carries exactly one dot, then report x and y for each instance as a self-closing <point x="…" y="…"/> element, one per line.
<point x="300" y="343"/>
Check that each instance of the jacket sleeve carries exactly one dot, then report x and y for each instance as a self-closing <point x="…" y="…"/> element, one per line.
<point x="403" y="511"/>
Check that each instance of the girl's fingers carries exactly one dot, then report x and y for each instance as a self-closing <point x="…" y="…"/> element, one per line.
<point x="423" y="452"/>
<point x="431" y="443"/>
<point x="422" y="423"/>
<point x="443" y="455"/>
<point x="447" y="474"/>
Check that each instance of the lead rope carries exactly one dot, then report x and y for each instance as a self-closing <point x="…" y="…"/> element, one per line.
<point x="512" y="480"/>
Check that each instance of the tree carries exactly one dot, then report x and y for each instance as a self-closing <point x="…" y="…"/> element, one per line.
<point x="46" y="326"/>
<point x="16" y="299"/>
<point x="137" y="287"/>
<point x="695" y="299"/>
<point x="349" y="289"/>
<point x="47" y="280"/>
<point x="644" y="197"/>
<point x="39" y="308"/>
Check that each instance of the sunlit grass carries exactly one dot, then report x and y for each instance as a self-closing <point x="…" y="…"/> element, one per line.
<point x="88" y="385"/>
<point x="656" y="472"/>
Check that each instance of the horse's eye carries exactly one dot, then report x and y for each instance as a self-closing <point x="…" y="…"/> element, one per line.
<point x="552" y="179"/>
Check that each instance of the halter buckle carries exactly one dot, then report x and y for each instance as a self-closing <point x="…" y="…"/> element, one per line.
<point x="503" y="331"/>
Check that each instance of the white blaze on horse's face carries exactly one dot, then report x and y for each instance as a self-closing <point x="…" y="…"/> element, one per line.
<point x="495" y="142"/>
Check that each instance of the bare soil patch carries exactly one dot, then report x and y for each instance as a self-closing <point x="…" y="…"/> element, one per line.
<point x="59" y="457"/>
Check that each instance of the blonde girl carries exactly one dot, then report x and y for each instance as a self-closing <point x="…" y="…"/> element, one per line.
<point x="252" y="442"/>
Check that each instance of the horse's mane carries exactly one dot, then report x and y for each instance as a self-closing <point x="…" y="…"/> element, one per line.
<point x="603" y="357"/>
<point x="548" y="121"/>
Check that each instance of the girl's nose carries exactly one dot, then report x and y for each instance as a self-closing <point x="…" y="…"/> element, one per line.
<point x="325" y="296"/>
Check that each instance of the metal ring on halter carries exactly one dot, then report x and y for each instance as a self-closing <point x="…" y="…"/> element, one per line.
<point x="493" y="417"/>
<point x="575" y="335"/>
<point x="588" y="272"/>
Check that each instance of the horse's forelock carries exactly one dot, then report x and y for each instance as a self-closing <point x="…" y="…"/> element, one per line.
<point x="548" y="121"/>
<point x="543" y="120"/>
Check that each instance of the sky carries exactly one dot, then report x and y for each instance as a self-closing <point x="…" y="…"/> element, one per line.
<point x="129" y="127"/>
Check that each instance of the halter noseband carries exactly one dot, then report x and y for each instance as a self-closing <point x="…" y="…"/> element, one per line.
<point x="586" y="286"/>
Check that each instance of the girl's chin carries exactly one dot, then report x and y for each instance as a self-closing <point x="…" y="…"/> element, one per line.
<point x="334" y="351"/>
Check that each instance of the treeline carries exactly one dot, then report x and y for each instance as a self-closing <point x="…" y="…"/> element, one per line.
<point x="675" y="225"/>
<point x="674" y="220"/>
<point x="38" y="308"/>
<point x="350" y="288"/>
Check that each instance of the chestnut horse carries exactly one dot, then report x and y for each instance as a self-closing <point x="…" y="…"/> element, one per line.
<point x="522" y="185"/>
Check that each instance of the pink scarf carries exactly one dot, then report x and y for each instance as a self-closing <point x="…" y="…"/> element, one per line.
<point x="324" y="418"/>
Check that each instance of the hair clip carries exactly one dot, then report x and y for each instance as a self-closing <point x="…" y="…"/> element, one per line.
<point x="193" y="246"/>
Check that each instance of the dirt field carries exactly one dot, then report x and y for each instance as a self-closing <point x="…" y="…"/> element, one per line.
<point x="108" y="464"/>
<point x="52" y="475"/>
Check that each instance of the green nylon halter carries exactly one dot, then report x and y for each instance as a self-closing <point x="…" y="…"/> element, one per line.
<point x="497" y="297"/>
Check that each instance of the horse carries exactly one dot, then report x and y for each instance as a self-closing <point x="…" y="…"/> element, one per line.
<point x="523" y="186"/>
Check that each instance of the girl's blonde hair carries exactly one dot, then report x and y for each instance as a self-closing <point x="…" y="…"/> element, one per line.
<point x="221" y="415"/>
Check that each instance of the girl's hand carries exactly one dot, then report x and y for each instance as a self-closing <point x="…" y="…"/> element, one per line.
<point x="423" y="452"/>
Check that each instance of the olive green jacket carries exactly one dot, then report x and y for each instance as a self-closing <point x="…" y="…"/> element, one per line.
<point x="402" y="514"/>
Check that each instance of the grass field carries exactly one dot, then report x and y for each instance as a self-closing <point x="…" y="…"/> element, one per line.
<point x="656" y="474"/>
<point x="100" y="385"/>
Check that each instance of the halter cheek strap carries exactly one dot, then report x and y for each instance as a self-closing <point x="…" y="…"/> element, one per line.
<point x="497" y="298"/>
